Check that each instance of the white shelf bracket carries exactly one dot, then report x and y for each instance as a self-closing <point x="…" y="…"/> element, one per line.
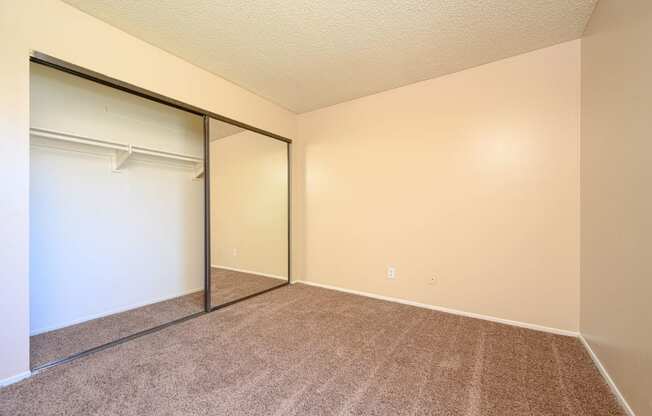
<point x="199" y="170"/>
<point x="120" y="158"/>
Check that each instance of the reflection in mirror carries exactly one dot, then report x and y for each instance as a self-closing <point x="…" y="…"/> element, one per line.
<point x="249" y="212"/>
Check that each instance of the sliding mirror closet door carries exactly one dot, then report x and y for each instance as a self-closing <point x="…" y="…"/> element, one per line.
<point x="116" y="215"/>
<point x="249" y="212"/>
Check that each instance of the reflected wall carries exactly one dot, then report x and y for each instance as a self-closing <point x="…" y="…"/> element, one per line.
<point x="249" y="212"/>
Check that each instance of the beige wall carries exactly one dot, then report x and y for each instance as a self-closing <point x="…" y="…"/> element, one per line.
<point x="57" y="29"/>
<point x="249" y="210"/>
<point x="616" y="191"/>
<point x="472" y="178"/>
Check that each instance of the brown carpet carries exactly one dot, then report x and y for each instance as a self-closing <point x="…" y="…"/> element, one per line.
<point x="226" y="286"/>
<point x="301" y="350"/>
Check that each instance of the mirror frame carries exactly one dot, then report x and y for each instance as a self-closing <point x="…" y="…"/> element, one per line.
<point x="207" y="228"/>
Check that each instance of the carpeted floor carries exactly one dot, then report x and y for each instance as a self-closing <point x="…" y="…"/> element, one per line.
<point x="301" y="350"/>
<point x="226" y="286"/>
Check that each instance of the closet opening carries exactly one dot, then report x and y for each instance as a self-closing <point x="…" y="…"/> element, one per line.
<point x="120" y="212"/>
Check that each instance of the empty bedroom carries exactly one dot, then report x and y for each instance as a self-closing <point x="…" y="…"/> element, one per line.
<point x="361" y="207"/>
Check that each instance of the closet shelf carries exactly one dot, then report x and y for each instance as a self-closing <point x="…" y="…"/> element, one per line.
<point x="122" y="152"/>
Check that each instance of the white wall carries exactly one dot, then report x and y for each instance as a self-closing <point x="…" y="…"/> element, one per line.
<point x="471" y="178"/>
<point x="249" y="209"/>
<point x="100" y="241"/>
<point x="54" y="28"/>
<point x="64" y="102"/>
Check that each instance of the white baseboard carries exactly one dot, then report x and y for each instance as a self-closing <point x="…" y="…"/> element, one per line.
<point x="449" y="310"/>
<point x="111" y="312"/>
<point x="273" y="276"/>
<point x="15" y="379"/>
<point x="607" y="377"/>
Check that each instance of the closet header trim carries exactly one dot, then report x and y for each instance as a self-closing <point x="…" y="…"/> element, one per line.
<point x="47" y="60"/>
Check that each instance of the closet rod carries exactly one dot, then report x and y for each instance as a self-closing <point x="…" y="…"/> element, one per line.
<point x="69" y="137"/>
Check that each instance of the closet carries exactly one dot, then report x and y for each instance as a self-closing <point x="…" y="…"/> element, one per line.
<point x="124" y="187"/>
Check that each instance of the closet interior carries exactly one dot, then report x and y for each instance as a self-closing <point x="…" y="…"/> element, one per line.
<point x="116" y="212"/>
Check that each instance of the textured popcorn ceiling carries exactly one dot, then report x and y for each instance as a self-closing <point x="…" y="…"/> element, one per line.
<point x="308" y="54"/>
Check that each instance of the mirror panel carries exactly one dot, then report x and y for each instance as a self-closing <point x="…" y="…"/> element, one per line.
<point x="249" y="212"/>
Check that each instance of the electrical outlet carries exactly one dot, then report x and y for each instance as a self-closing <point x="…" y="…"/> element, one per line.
<point x="235" y="252"/>
<point x="432" y="280"/>
<point x="391" y="272"/>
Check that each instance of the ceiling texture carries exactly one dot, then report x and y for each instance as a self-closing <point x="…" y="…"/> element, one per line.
<point x="309" y="54"/>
